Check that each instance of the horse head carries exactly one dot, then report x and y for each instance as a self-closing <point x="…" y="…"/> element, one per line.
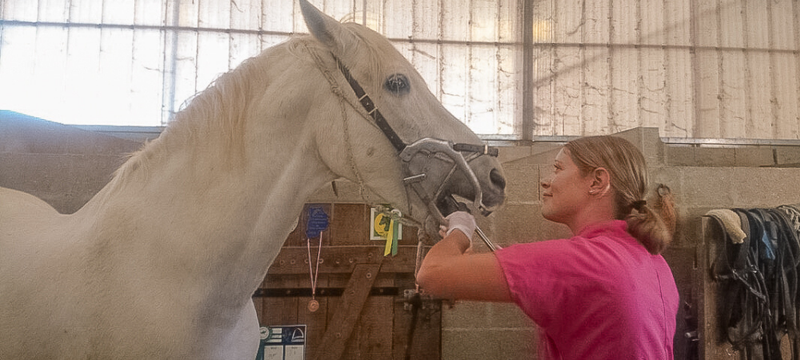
<point x="386" y="111"/>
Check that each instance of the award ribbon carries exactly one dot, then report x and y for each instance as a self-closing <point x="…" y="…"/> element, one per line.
<point x="388" y="227"/>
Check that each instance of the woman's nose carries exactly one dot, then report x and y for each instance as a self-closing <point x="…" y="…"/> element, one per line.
<point x="545" y="183"/>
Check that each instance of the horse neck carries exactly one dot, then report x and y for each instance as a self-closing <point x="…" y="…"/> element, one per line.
<point x="223" y="215"/>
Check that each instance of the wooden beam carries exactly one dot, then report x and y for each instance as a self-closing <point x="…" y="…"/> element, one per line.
<point x="343" y="260"/>
<point x="347" y="312"/>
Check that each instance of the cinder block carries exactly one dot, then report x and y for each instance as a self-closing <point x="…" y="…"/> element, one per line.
<point x="765" y="187"/>
<point x="681" y="238"/>
<point x="511" y="153"/>
<point x="787" y="155"/>
<point x="488" y="344"/>
<point x="524" y="223"/>
<point x="507" y="315"/>
<point x="705" y="156"/>
<point x="647" y="139"/>
<point x="692" y="225"/>
<point x="545" y="154"/>
<point x="472" y="314"/>
<point x="519" y="344"/>
<point x="522" y="181"/>
<point x="753" y="156"/>
<point x="708" y="186"/>
<point x="669" y="176"/>
<point x="679" y="155"/>
<point x="465" y="315"/>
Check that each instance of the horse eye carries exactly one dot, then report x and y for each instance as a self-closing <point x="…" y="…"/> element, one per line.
<point x="397" y="84"/>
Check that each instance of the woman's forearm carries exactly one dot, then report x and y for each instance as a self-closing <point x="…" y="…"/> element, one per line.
<point x="432" y="275"/>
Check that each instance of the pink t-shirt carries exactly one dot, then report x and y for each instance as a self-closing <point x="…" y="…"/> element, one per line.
<point x="598" y="295"/>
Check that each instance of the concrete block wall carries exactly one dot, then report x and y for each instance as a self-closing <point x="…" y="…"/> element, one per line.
<point x="65" y="167"/>
<point x="60" y="164"/>
<point x="701" y="178"/>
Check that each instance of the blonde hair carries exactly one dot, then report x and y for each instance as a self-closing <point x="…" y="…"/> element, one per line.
<point x="628" y="171"/>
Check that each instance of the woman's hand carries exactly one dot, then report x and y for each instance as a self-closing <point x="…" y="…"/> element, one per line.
<point x="463" y="221"/>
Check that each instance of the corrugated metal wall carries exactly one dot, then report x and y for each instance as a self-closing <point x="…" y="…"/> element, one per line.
<point x="136" y="61"/>
<point x="698" y="69"/>
<point x="514" y="68"/>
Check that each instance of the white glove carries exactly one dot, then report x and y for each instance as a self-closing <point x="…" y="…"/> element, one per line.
<point x="463" y="221"/>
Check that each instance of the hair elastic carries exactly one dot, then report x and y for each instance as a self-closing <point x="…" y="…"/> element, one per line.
<point x="639" y="204"/>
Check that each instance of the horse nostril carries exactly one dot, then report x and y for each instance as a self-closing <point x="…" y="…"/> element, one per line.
<point x="497" y="179"/>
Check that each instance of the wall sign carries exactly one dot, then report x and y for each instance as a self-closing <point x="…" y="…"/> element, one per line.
<point x="282" y="343"/>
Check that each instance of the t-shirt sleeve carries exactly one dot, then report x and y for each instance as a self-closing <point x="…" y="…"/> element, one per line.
<point x="544" y="276"/>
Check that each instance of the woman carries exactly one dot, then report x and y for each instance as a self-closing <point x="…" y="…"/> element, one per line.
<point x="605" y="293"/>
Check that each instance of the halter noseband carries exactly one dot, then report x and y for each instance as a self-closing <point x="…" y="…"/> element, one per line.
<point x="427" y="181"/>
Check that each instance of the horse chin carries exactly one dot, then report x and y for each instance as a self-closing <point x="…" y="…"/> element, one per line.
<point x="446" y="204"/>
<point x="429" y="232"/>
<point x="455" y="198"/>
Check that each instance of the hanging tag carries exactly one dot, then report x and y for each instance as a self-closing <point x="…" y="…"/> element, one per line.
<point x="382" y="225"/>
<point x="394" y="225"/>
<point x="391" y="240"/>
<point x="317" y="221"/>
<point x="387" y="227"/>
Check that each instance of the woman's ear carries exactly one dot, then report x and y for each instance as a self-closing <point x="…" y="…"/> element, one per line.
<point x="600" y="182"/>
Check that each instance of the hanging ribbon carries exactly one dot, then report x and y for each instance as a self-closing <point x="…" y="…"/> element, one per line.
<point x="316" y="224"/>
<point x="388" y="227"/>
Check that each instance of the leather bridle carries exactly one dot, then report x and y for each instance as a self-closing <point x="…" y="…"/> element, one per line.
<point x="426" y="181"/>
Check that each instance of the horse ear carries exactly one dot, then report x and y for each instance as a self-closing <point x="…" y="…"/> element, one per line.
<point x="326" y="29"/>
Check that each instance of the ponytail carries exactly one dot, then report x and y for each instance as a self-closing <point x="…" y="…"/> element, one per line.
<point x="654" y="229"/>
<point x="652" y="225"/>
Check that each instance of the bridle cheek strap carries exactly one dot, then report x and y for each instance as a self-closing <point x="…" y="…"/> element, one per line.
<point x="369" y="106"/>
<point x="426" y="181"/>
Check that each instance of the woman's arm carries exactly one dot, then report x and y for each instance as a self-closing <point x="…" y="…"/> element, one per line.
<point x="447" y="272"/>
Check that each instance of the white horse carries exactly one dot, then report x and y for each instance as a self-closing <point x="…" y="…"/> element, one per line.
<point x="163" y="261"/>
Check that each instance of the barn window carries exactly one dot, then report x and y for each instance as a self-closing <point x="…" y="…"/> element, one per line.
<point x="134" y="62"/>
<point x="510" y="69"/>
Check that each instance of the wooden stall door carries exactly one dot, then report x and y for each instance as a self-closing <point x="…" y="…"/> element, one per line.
<point x="365" y="310"/>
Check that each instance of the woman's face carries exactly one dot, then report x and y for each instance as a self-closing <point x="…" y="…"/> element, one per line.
<point x="566" y="191"/>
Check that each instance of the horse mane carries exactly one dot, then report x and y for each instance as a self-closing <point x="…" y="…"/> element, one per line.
<point x="217" y="114"/>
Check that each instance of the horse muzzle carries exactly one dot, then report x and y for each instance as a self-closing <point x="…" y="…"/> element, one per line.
<point x="429" y="167"/>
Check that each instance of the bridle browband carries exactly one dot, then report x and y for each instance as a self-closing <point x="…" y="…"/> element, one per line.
<point x="426" y="181"/>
